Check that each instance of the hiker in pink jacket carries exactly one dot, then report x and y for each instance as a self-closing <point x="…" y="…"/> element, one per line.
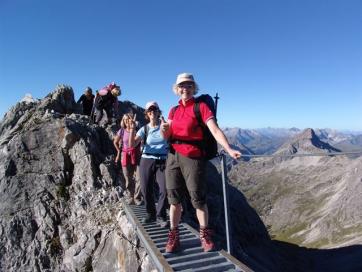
<point x="107" y="99"/>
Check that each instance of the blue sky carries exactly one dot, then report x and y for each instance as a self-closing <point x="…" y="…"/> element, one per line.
<point x="274" y="63"/>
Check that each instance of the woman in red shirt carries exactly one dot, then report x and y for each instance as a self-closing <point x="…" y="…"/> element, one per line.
<point x="185" y="163"/>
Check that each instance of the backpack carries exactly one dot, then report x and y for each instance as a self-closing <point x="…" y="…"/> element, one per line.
<point x="145" y="128"/>
<point x="208" y="145"/>
<point x="105" y="101"/>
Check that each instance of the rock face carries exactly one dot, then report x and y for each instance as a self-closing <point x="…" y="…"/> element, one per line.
<point x="60" y="191"/>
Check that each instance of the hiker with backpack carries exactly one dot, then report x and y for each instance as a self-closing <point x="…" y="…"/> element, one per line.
<point x="86" y="100"/>
<point x="107" y="99"/>
<point x="186" y="161"/>
<point x="129" y="157"/>
<point x="152" y="165"/>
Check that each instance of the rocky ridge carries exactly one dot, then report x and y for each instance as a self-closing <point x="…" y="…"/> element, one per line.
<point x="60" y="192"/>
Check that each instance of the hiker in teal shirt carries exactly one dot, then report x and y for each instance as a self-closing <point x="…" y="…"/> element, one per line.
<point x="152" y="164"/>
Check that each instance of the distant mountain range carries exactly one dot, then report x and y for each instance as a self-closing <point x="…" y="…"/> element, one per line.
<point x="268" y="140"/>
<point x="310" y="201"/>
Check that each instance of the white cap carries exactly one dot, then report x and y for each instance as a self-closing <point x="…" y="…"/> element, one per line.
<point x="150" y="104"/>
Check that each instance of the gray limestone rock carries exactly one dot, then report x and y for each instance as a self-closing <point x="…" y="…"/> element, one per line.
<point x="60" y="191"/>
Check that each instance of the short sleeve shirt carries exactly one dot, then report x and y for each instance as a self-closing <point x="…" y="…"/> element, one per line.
<point x="125" y="138"/>
<point x="155" y="147"/>
<point x="184" y="126"/>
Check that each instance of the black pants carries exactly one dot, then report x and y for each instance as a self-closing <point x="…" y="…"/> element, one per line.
<point x="152" y="170"/>
<point x="99" y="114"/>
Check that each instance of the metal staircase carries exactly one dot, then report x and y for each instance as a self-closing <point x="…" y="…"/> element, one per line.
<point x="191" y="256"/>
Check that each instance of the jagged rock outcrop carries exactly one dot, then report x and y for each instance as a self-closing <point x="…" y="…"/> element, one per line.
<point x="60" y="191"/>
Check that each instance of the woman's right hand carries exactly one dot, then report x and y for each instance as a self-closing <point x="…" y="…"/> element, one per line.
<point x="165" y="126"/>
<point x="235" y="154"/>
<point x="132" y="123"/>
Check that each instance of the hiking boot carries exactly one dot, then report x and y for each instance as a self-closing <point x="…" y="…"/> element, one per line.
<point x="173" y="242"/>
<point x="162" y="221"/>
<point x="149" y="219"/>
<point x="205" y="239"/>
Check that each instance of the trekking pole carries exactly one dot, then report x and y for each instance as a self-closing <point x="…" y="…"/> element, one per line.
<point x="226" y="200"/>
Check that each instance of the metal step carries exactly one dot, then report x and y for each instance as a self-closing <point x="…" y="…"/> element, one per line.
<point x="191" y="256"/>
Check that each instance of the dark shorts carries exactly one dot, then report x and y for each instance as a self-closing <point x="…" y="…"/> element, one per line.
<point x="185" y="174"/>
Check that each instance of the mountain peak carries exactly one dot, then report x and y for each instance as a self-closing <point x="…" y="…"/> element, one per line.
<point x="28" y="98"/>
<point x="306" y="142"/>
<point x="307" y="133"/>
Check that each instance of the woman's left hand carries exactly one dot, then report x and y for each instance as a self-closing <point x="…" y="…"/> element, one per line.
<point x="234" y="154"/>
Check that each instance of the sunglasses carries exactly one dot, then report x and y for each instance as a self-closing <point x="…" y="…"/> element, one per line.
<point x="186" y="85"/>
